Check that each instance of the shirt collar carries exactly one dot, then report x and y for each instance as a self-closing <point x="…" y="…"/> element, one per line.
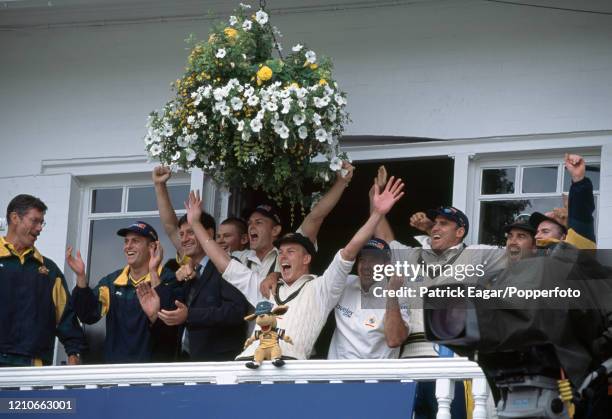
<point x="425" y="242"/>
<point x="123" y="279"/>
<point x="7" y="249"/>
<point x="252" y="256"/>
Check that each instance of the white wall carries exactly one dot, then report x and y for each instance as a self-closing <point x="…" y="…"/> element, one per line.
<point x="54" y="190"/>
<point x="432" y="69"/>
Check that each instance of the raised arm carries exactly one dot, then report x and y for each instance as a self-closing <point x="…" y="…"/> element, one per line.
<point x="581" y="201"/>
<point x="383" y="228"/>
<point x="89" y="305"/>
<point x="237" y="274"/>
<point x="395" y="323"/>
<point x="382" y="202"/>
<point x="312" y="223"/>
<point x="217" y="255"/>
<point x="169" y="221"/>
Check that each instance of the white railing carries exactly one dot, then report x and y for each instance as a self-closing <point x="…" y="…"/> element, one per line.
<point x="443" y="370"/>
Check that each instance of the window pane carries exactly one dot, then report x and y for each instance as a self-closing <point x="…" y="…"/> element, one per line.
<point x="495" y="215"/>
<point x="498" y="181"/>
<point x="540" y="179"/>
<point x="106" y="200"/>
<point x="142" y="198"/>
<point x="592" y="172"/>
<point x="178" y="195"/>
<point x="106" y="256"/>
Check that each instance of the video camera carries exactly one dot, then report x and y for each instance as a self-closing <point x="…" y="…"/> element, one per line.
<point x="525" y="344"/>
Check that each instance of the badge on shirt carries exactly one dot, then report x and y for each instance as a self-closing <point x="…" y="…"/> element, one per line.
<point x="43" y="270"/>
<point x="371" y="322"/>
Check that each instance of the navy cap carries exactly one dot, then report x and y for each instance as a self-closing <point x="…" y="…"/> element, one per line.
<point x="451" y="213"/>
<point x="376" y="246"/>
<point x="267" y="210"/>
<point x="299" y="239"/>
<point x="141" y="228"/>
<point x="537" y="217"/>
<point x="263" y="307"/>
<point x="521" y="225"/>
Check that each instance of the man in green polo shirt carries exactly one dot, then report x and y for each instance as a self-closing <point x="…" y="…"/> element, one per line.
<point x="34" y="300"/>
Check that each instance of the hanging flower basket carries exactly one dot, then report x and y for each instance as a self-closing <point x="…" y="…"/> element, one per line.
<point x="250" y="119"/>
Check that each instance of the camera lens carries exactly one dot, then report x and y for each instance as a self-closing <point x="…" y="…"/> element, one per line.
<point x="449" y="323"/>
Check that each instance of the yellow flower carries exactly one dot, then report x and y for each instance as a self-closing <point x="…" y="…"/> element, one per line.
<point x="230" y="32"/>
<point x="322" y="82"/>
<point x="295" y="85"/>
<point x="264" y="74"/>
<point x="313" y="66"/>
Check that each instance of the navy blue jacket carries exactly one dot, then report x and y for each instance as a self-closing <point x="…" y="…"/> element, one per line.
<point x="215" y="322"/>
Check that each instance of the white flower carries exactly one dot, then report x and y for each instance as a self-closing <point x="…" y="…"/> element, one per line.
<point x="339" y="99"/>
<point x="190" y="119"/>
<point x="321" y="102"/>
<point x="301" y="93"/>
<point x="221" y="53"/>
<point x="311" y="57"/>
<point x="176" y="156"/>
<point x="155" y="150"/>
<point x="236" y="103"/>
<point x="206" y="92"/>
<point x="302" y="103"/>
<point x="271" y="106"/>
<point x="286" y="106"/>
<point x="331" y="115"/>
<point x="191" y="155"/>
<point x="182" y="142"/>
<point x="281" y="129"/>
<point x="245" y="6"/>
<point x="335" y="164"/>
<point x="261" y="17"/>
<point x="240" y="126"/>
<point x="191" y="138"/>
<point x="167" y="130"/>
<point x="246" y="134"/>
<point x="220" y="93"/>
<point x="297" y="47"/>
<point x="253" y="100"/>
<point x="232" y="21"/>
<point x="284" y="134"/>
<point x="256" y="125"/>
<point x="316" y="119"/>
<point x="321" y="135"/>
<point x="185" y="131"/>
<point x="298" y="119"/>
<point x="303" y="132"/>
<point x="149" y="140"/>
<point x="222" y="108"/>
<point x="247" y="25"/>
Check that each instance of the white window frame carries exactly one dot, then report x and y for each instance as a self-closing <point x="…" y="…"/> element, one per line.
<point x="133" y="180"/>
<point x="520" y="163"/>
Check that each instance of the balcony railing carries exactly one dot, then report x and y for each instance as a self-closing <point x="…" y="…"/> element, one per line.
<point x="442" y="370"/>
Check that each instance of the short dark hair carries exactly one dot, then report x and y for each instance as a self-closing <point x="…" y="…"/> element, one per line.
<point x="206" y="219"/>
<point x="239" y="223"/>
<point x="21" y="204"/>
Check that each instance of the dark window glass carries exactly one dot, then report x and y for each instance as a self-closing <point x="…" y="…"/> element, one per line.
<point x="106" y="200"/>
<point x="540" y="179"/>
<point x="495" y="215"/>
<point x="498" y="181"/>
